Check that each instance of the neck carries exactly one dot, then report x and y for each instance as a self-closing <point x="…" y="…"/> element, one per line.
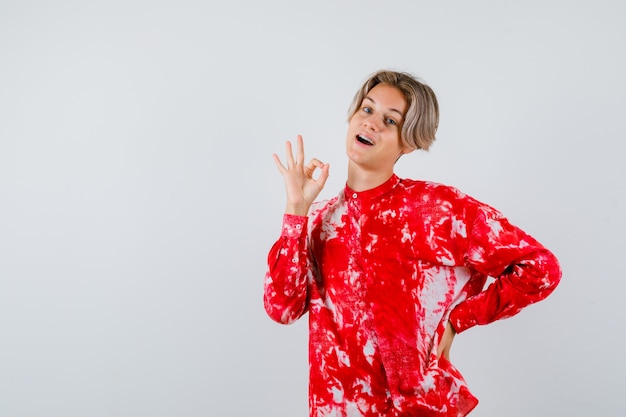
<point x="360" y="179"/>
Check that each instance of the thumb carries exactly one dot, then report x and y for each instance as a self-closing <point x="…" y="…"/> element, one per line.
<point x="321" y="180"/>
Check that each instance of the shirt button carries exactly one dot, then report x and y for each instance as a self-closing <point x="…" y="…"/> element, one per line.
<point x="354" y="195"/>
<point x="298" y="226"/>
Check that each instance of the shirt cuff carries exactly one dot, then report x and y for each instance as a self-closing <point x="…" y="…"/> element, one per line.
<point x="294" y="226"/>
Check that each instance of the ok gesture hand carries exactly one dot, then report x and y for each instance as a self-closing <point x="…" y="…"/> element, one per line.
<point x="302" y="188"/>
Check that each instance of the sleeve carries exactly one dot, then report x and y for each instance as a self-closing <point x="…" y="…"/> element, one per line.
<point x="525" y="272"/>
<point x="285" y="295"/>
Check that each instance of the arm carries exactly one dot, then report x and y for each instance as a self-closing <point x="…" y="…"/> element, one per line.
<point x="285" y="294"/>
<point x="525" y="271"/>
<point x="286" y="282"/>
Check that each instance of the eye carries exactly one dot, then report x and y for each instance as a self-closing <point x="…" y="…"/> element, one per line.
<point x="390" y="121"/>
<point x="366" y="109"/>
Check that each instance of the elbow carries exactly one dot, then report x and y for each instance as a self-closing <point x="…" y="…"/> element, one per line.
<point x="553" y="271"/>
<point x="548" y="275"/>
<point x="285" y="300"/>
<point x="283" y="313"/>
<point x="536" y="276"/>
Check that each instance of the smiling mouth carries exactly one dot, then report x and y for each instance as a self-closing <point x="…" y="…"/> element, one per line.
<point x="364" y="140"/>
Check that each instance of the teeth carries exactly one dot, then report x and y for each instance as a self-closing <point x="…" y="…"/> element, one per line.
<point x="364" y="140"/>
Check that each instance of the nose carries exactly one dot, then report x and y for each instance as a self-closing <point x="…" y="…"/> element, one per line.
<point x="373" y="123"/>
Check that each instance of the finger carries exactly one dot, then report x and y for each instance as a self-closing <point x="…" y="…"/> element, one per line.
<point x="300" y="151"/>
<point x="312" y="165"/>
<point x="321" y="180"/>
<point x="288" y="150"/>
<point x="315" y="162"/>
<point x="279" y="164"/>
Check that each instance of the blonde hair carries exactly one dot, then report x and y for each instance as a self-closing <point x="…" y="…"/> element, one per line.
<point x="422" y="116"/>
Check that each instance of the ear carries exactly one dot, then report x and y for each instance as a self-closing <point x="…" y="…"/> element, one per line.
<point x="406" y="149"/>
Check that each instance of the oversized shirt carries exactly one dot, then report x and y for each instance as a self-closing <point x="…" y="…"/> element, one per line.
<point x="381" y="272"/>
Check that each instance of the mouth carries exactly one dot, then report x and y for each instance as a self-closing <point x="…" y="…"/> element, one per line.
<point x="364" y="140"/>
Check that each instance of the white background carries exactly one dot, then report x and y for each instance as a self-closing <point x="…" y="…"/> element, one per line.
<point x="138" y="196"/>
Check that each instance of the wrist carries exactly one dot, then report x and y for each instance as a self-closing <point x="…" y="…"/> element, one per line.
<point x="297" y="209"/>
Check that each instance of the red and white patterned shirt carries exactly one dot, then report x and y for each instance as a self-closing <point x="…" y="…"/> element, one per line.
<point x="381" y="272"/>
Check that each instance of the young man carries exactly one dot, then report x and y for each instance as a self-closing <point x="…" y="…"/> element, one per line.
<point x="391" y="269"/>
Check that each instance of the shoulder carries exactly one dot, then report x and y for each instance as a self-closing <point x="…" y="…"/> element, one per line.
<point x="445" y="197"/>
<point x="431" y="190"/>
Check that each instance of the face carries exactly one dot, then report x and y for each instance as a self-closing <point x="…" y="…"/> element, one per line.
<point x="374" y="133"/>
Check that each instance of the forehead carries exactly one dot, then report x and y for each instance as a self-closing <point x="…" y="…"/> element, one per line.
<point x="387" y="96"/>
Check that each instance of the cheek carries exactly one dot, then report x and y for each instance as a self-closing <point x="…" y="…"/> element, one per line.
<point x="399" y="142"/>
<point x="353" y="121"/>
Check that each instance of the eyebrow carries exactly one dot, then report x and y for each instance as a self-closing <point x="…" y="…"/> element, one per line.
<point x="394" y="110"/>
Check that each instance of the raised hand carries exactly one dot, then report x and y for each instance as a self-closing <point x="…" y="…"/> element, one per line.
<point x="301" y="186"/>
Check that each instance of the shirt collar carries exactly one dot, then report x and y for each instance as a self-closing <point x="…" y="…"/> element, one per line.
<point x="350" y="194"/>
